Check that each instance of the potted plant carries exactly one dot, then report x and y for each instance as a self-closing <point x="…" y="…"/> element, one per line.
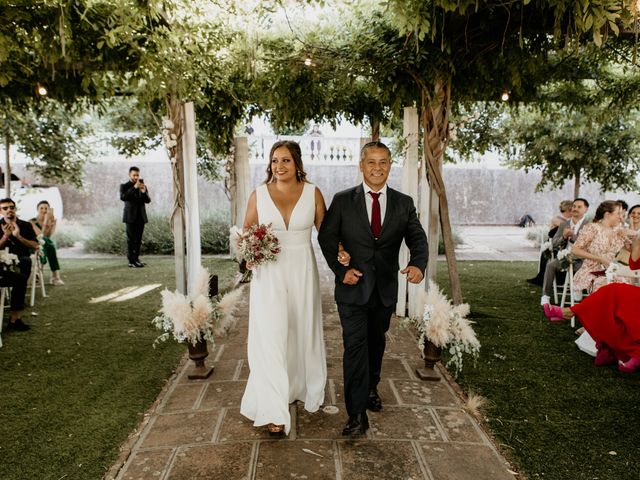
<point x="195" y="319"/>
<point x="443" y="325"/>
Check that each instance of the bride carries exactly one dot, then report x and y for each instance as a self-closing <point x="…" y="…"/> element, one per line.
<point x="285" y="345"/>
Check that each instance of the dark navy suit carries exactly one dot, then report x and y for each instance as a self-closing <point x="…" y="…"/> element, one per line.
<point x="365" y="309"/>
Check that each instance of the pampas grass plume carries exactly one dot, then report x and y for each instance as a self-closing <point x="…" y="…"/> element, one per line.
<point x="201" y="286"/>
<point x="201" y="311"/>
<point x="475" y="404"/>
<point x="176" y="306"/>
<point x="227" y="307"/>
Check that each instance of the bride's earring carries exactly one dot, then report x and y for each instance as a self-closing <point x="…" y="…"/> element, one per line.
<point x="298" y="175"/>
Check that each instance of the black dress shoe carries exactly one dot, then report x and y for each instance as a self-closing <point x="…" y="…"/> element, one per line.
<point x="135" y="265"/>
<point x="374" y="403"/>
<point x="356" y="425"/>
<point x="18" y="326"/>
<point x="535" y="281"/>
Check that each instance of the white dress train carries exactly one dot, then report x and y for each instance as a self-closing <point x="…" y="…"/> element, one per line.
<point x="286" y="345"/>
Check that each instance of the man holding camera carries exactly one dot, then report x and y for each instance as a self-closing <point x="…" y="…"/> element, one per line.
<point x="134" y="194"/>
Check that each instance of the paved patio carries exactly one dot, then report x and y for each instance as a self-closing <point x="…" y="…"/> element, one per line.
<point x="195" y="430"/>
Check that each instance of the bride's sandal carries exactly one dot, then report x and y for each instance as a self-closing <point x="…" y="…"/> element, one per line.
<point x="275" y="430"/>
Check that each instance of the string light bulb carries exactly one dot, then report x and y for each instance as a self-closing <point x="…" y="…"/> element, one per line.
<point x="505" y="96"/>
<point x="308" y="62"/>
<point x="41" y="90"/>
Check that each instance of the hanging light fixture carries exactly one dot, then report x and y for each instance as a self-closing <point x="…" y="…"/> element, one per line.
<point x="41" y="90"/>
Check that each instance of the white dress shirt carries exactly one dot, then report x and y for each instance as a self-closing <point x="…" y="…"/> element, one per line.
<point x="368" y="200"/>
<point x="575" y="227"/>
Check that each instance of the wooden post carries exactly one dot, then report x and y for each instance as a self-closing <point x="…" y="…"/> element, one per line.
<point x="192" y="209"/>
<point x="178" y="221"/>
<point x="241" y="177"/>
<point x="409" y="187"/>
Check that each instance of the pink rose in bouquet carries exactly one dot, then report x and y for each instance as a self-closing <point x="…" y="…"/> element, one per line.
<point x="258" y="245"/>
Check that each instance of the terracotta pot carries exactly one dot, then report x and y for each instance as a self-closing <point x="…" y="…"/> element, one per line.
<point x="432" y="355"/>
<point x="198" y="353"/>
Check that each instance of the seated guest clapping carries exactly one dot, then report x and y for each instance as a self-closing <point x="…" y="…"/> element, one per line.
<point x="45" y="226"/>
<point x="565" y="237"/>
<point x="19" y="237"/>
<point x="610" y="316"/>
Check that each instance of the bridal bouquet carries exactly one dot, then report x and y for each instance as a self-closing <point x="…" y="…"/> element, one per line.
<point x="258" y="245"/>
<point x="566" y="258"/>
<point x="191" y="318"/>
<point x="446" y="325"/>
<point x="8" y="261"/>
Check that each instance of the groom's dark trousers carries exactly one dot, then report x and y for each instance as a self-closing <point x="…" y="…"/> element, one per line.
<point x="365" y="309"/>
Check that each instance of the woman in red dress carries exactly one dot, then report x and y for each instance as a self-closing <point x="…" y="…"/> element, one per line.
<point x="612" y="317"/>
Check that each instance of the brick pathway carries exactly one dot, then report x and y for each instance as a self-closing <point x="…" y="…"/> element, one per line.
<point x="196" y="430"/>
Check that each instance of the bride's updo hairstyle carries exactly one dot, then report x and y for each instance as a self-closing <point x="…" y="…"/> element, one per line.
<point x="608" y="206"/>
<point x="296" y="154"/>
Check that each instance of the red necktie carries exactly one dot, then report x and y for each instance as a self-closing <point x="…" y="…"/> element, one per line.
<point x="376" y="223"/>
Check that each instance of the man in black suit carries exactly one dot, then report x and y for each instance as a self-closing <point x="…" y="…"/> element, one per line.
<point x="134" y="194"/>
<point x="21" y="240"/>
<point x="370" y="220"/>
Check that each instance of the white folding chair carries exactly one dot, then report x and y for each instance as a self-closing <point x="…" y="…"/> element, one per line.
<point x="555" y="283"/>
<point x="568" y="286"/>
<point x="37" y="275"/>
<point x="542" y="247"/>
<point x="4" y="294"/>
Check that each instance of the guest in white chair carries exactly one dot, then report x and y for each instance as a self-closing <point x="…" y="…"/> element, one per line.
<point x="554" y="224"/>
<point x="565" y="237"/>
<point x="19" y="237"/>
<point x="45" y="226"/>
<point x="598" y="244"/>
<point x="610" y="316"/>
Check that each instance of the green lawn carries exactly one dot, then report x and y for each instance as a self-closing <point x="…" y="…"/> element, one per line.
<point x="555" y="414"/>
<point x="74" y="387"/>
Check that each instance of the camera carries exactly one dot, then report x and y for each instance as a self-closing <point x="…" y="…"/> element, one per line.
<point x="141" y="180"/>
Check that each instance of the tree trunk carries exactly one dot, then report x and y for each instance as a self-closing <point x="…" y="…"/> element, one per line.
<point x="7" y="167"/>
<point x="576" y="184"/>
<point x="375" y="130"/>
<point x="435" y="122"/>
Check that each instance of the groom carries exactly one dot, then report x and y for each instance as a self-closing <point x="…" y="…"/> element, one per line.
<point x="370" y="220"/>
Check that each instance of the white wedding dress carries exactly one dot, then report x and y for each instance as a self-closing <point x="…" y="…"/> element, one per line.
<point x="285" y="346"/>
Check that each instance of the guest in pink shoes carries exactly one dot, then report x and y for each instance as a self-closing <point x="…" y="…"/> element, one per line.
<point x="610" y="315"/>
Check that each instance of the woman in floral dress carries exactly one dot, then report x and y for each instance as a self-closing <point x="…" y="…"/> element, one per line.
<point x="610" y="317"/>
<point x="598" y="244"/>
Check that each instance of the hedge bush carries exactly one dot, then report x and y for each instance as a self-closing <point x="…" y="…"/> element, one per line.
<point x="110" y="236"/>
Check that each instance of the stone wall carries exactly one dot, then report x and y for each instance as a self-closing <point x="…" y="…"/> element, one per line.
<point x="477" y="196"/>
